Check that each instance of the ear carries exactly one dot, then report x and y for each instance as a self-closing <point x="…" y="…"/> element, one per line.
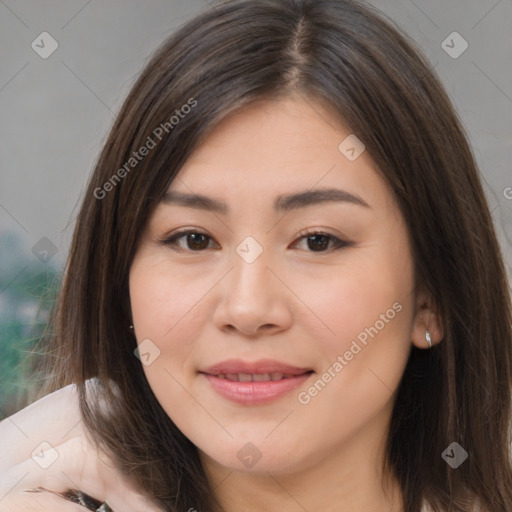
<point x="426" y="319"/>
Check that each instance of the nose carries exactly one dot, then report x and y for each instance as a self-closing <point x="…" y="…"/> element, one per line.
<point x="253" y="300"/>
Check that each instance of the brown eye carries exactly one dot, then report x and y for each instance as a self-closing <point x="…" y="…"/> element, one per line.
<point x="193" y="240"/>
<point x="317" y="241"/>
<point x="197" y="241"/>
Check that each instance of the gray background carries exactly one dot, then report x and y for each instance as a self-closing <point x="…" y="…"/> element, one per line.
<point x="56" y="112"/>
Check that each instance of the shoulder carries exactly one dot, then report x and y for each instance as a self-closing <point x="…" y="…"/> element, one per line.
<point x="53" y="420"/>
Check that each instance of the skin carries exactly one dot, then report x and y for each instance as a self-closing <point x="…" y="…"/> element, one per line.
<point x="293" y="304"/>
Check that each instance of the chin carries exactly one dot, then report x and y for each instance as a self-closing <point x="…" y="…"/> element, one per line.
<point x="262" y="456"/>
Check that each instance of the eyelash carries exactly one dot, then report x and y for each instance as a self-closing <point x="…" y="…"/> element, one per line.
<point x="173" y="239"/>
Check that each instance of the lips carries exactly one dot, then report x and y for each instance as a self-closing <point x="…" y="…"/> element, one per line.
<point x="261" y="367"/>
<point x="254" y="377"/>
<point x="254" y="383"/>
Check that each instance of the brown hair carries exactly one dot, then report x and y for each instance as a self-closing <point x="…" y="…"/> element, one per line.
<point x="348" y="55"/>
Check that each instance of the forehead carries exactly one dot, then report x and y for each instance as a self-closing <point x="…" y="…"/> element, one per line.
<point x="273" y="147"/>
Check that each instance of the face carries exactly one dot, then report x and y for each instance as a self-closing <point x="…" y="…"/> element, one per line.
<point x="275" y="320"/>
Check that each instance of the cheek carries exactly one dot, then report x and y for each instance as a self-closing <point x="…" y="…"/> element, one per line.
<point x="165" y="307"/>
<point x="370" y="311"/>
<point x="163" y="299"/>
<point x="159" y="305"/>
<point x="365" y="293"/>
<point x="366" y="313"/>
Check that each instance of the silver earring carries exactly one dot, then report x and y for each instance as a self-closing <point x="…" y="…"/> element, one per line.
<point x="428" y="338"/>
<point x="131" y="326"/>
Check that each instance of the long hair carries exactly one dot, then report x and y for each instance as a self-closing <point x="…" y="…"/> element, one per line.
<point x="379" y="84"/>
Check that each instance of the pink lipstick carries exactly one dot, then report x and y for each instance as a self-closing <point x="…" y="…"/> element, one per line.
<point x="255" y="383"/>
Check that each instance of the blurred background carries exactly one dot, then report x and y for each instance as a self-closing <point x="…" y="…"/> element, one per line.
<point x="65" y="69"/>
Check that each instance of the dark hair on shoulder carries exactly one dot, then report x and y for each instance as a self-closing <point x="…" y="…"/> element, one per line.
<point x="351" y="57"/>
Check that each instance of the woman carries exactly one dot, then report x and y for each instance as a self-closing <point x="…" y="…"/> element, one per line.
<point x="284" y="291"/>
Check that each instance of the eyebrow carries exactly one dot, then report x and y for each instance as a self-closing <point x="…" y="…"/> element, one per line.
<point x="283" y="203"/>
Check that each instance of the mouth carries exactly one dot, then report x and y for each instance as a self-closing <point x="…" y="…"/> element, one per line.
<point x="256" y="383"/>
<point x="255" y="377"/>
